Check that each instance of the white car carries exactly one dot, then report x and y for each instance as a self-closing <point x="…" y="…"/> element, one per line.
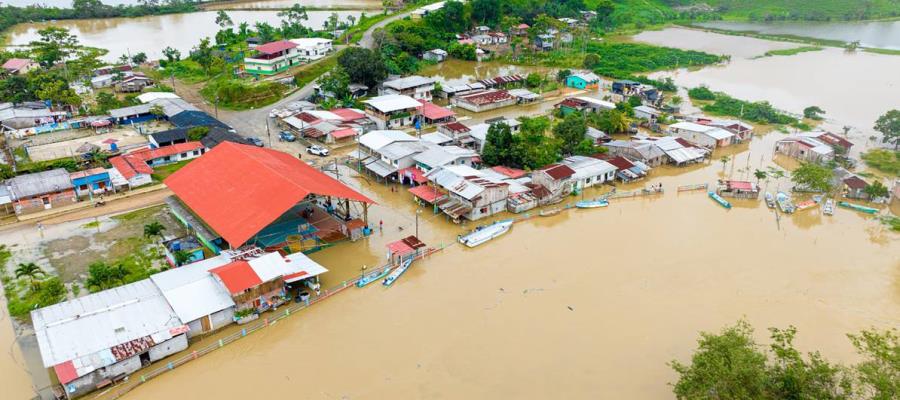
<point x="317" y="150"/>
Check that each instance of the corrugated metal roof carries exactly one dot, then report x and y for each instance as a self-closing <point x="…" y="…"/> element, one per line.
<point x="192" y="291"/>
<point x="375" y="140"/>
<point x="392" y="102"/>
<point x="99" y="321"/>
<point x="408" y="82"/>
<point x="38" y="183"/>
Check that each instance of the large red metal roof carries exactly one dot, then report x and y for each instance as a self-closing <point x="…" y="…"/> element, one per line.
<point x="239" y="189"/>
<point x="275" y="47"/>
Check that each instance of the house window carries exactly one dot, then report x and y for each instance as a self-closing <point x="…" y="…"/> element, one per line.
<point x="196" y="152"/>
<point x="184" y="155"/>
<point x="83" y="187"/>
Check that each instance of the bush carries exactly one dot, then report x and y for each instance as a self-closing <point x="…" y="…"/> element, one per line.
<point x="701" y="93"/>
<point x="241" y="95"/>
<point x="884" y="160"/>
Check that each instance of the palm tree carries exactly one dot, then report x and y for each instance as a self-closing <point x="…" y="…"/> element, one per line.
<point x="154" y="229"/>
<point x="724" y="160"/>
<point x="30" y="270"/>
<point x="760" y="175"/>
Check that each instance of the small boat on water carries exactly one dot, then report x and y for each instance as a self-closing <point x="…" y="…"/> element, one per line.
<point x="828" y="208"/>
<point x="803" y="205"/>
<point x="372" y="277"/>
<point x="857" y="207"/>
<point x="549" y="212"/>
<point x="485" y="233"/>
<point x="592" y="203"/>
<point x="719" y="199"/>
<point x="397" y="272"/>
<point x="784" y="203"/>
<point x="770" y="200"/>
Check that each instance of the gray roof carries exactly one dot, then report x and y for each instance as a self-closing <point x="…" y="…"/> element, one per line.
<point x="398" y="150"/>
<point x="38" y="183"/>
<point x="408" y="82"/>
<point x="172" y="107"/>
<point x="441" y="155"/>
<point x="129" y="111"/>
<point x="87" y="327"/>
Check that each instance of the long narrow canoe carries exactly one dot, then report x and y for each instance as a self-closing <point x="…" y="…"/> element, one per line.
<point x="397" y="272"/>
<point x="803" y="205"/>
<point x="485" y="233"/>
<point x="592" y="203"/>
<point x="857" y="207"/>
<point x="828" y="208"/>
<point x="549" y="212"/>
<point x="372" y="277"/>
<point x="719" y="199"/>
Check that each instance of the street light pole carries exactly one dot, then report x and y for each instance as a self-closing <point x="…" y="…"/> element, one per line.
<point x="418" y="211"/>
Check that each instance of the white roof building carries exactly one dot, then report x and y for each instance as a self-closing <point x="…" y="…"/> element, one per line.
<point x="597" y="103"/>
<point x="375" y="140"/>
<point x="408" y="82"/>
<point x="83" y="330"/>
<point x="192" y="291"/>
<point x="150" y="96"/>
<point x="392" y="102"/>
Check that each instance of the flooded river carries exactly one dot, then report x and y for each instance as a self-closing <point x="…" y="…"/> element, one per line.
<point x="370" y="4"/>
<point x="853" y="88"/>
<point x="586" y="304"/>
<point x="880" y="34"/>
<point x="152" y="34"/>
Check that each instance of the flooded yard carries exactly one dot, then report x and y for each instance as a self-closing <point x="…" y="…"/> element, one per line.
<point x="853" y="88"/>
<point x="151" y="34"/>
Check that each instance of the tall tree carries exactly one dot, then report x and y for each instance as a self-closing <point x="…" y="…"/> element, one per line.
<point x="570" y="132"/>
<point x="55" y="45"/>
<point x="813" y="177"/>
<point x="878" y="374"/>
<point x="889" y="126"/>
<point x="223" y="20"/>
<point x="363" y="66"/>
<point x="498" y="145"/>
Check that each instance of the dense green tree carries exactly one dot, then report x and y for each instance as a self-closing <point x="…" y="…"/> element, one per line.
<point x="55" y="44"/>
<point x="171" y="54"/>
<point x="498" y="145"/>
<point x="813" y="112"/>
<point x="197" y="133"/>
<point x="102" y="276"/>
<point x="462" y="51"/>
<point x="878" y="374"/>
<point x="203" y="55"/>
<point x="889" y="126"/>
<point x="813" y="177"/>
<point x="337" y="83"/>
<point x="363" y="66"/>
<point x="223" y="20"/>
<point x="139" y="58"/>
<point x="591" y="60"/>
<point x="15" y="89"/>
<point x="486" y="12"/>
<point x="563" y="74"/>
<point x="876" y="190"/>
<point x="570" y="132"/>
<point x="611" y="121"/>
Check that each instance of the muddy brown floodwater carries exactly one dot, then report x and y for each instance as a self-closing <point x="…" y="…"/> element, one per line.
<point x="584" y="304"/>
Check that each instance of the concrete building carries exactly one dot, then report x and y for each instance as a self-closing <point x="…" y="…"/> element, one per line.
<point x="415" y="86"/>
<point x="435" y="55"/>
<point x="471" y="194"/>
<point x="584" y="80"/>
<point x="589" y="171"/>
<point x="272" y="58"/>
<point x="92" y="182"/>
<point x="41" y="191"/>
<point x="384" y="152"/>
<point x="803" y="148"/>
<point x="710" y="137"/>
<point x="309" y="49"/>
<point x="484" y="101"/>
<point x="556" y="179"/>
<point x="392" y="111"/>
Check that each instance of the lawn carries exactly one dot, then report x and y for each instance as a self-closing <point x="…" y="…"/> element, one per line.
<point x="162" y="172"/>
<point x="884" y="160"/>
<point x="311" y="72"/>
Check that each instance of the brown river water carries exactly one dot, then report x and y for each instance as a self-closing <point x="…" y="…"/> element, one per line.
<point x="151" y="34"/>
<point x="585" y="304"/>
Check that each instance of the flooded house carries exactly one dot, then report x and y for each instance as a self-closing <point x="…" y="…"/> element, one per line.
<point x="596" y="136"/>
<point x="471" y="195"/>
<point x="854" y="187"/>
<point x="524" y="96"/>
<point x="449" y="91"/>
<point x="804" y="148"/>
<point x="839" y="144"/>
<point x="626" y="170"/>
<point x="479" y="132"/>
<point x="432" y="114"/>
<point x="237" y="195"/>
<point x="41" y="191"/>
<point x="196" y="297"/>
<point x="258" y="283"/>
<point x="392" y="111"/>
<point x="97" y="340"/>
<point x="435" y="55"/>
<point x="737" y="189"/>
<point x="647" y="113"/>
<point x="646" y="153"/>
<point x="556" y="179"/>
<point x="484" y="101"/>
<point x="404" y="249"/>
<point x="439" y="156"/>
<point x="742" y="130"/>
<point x="584" y="80"/>
<point x="589" y="171"/>
<point x="678" y="151"/>
<point x="710" y="137"/>
<point x="458" y="134"/>
<point x="415" y="86"/>
<point x="385" y="152"/>
<point x="337" y="126"/>
<point x="20" y="66"/>
<point x="583" y="104"/>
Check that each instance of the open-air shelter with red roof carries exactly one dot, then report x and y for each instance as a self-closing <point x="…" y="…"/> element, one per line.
<point x="250" y="195"/>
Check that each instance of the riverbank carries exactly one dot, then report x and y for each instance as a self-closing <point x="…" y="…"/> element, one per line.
<point x="789" y="38"/>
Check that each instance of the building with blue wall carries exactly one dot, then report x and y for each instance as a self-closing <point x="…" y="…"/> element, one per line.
<point x="91" y="182"/>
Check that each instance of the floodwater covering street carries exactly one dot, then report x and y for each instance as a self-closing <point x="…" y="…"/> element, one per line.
<point x="151" y="34"/>
<point x="579" y="305"/>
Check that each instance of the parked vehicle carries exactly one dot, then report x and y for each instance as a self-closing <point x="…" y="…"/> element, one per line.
<point x="286" y="136"/>
<point x="317" y="150"/>
<point x="255" y="141"/>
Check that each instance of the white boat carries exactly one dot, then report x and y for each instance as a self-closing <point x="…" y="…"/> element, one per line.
<point x="397" y="272"/>
<point x="770" y="200"/>
<point x="828" y="208"/>
<point x="484" y="233"/>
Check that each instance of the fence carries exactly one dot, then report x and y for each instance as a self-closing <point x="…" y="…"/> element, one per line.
<point x="126" y="386"/>
<point x="688" y="188"/>
<point x="635" y="193"/>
